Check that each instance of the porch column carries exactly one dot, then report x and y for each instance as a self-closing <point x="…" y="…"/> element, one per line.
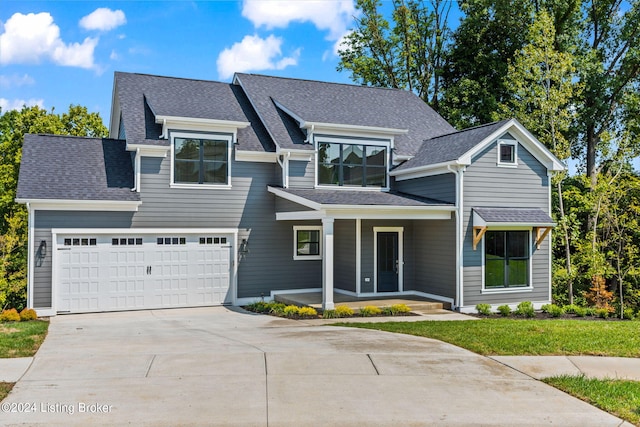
<point x="327" y="264"/>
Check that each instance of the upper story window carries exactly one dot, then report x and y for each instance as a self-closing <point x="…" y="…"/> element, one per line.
<point x="507" y="151"/>
<point x="201" y="159"/>
<point x="356" y="165"/>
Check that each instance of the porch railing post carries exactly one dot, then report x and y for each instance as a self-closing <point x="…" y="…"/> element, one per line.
<point x="327" y="264"/>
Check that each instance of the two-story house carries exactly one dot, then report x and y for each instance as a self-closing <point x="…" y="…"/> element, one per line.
<point x="214" y="193"/>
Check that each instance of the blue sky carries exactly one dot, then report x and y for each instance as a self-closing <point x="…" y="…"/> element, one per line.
<point x="57" y="53"/>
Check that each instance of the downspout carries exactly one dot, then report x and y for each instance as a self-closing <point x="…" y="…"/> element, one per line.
<point x="283" y="161"/>
<point x="136" y="172"/>
<point x="459" y="233"/>
<point x="30" y="248"/>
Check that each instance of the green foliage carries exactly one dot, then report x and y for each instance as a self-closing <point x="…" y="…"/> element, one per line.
<point x="484" y="309"/>
<point x="580" y="311"/>
<point x="628" y="313"/>
<point x="525" y="308"/>
<point x="603" y="313"/>
<point x="10" y="315"/>
<point x="329" y="314"/>
<point x="22" y="339"/>
<point x="504" y="310"/>
<point x="13" y="217"/>
<point x="259" y="307"/>
<point x="370" y="310"/>
<point x="307" y="312"/>
<point x="555" y="311"/>
<point x="343" y="311"/>
<point x="28" y="314"/>
<point x="290" y="311"/>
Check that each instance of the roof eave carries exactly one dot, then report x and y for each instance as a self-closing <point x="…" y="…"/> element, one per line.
<point x="81" y="205"/>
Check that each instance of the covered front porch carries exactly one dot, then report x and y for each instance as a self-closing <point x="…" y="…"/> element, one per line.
<point x="372" y="246"/>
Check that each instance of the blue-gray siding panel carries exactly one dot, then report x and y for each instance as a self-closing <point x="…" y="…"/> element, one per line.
<point x="284" y="205"/>
<point x="486" y="184"/>
<point x="44" y="221"/>
<point x="302" y="174"/>
<point x="439" y="187"/>
<point x="435" y="257"/>
<point x="344" y="243"/>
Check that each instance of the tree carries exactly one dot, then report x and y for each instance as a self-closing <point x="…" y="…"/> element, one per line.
<point x="489" y="35"/>
<point x="13" y="217"/>
<point x="541" y="87"/>
<point x="406" y="55"/>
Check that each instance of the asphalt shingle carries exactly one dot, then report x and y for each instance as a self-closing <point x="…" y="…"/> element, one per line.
<point x="514" y="215"/>
<point x="344" y="104"/>
<point x="362" y="198"/>
<point x="75" y="168"/>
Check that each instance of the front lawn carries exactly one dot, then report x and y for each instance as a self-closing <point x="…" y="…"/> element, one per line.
<point x="22" y="339"/>
<point x="618" y="397"/>
<point x="510" y="337"/>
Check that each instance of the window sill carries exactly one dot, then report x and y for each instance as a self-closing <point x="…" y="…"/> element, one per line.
<point x="307" y="258"/>
<point x="507" y="165"/>
<point x="202" y="186"/>
<point x="507" y="290"/>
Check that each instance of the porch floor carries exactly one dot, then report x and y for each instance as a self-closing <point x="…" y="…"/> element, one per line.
<point x="314" y="299"/>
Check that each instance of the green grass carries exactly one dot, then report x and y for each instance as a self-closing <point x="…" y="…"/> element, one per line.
<point x="510" y="337"/>
<point x="618" y="397"/>
<point x="22" y="339"/>
<point x="5" y="388"/>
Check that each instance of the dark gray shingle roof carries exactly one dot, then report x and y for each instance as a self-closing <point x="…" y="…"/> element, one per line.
<point x="74" y="168"/>
<point x="450" y="147"/>
<point x="322" y="102"/>
<point x="142" y="97"/>
<point x="531" y="216"/>
<point x="363" y="198"/>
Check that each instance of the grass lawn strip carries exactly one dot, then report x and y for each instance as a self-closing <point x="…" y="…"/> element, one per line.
<point x="618" y="397"/>
<point x="22" y="339"/>
<point x="509" y="337"/>
<point x="5" y="388"/>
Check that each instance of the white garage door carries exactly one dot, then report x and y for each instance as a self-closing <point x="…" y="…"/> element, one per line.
<point x="110" y="273"/>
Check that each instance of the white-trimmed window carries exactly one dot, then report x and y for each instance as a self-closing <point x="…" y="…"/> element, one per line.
<point x="507" y="258"/>
<point x="307" y="242"/>
<point x="352" y="164"/>
<point x="507" y="151"/>
<point x="201" y="160"/>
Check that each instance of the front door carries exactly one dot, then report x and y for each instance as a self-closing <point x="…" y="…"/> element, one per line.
<point x="388" y="261"/>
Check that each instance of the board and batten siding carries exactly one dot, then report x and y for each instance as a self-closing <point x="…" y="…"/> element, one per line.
<point x="44" y="221"/>
<point x="439" y="187"/>
<point x="487" y="185"/>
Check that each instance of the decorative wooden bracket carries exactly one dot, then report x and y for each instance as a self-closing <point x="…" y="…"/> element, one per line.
<point x="540" y="235"/>
<point x="478" y="232"/>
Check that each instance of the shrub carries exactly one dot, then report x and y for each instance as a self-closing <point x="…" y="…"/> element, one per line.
<point x="628" y="313"/>
<point x="10" y="315"/>
<point x="555" y="311"/>
<point x="504" y="310"/>
<point x="399" y="309"/>
<point x="484" y="309"/>
<point x="590" y="311"/>
<point x="343" y="311"/>
<point x="370" y="310"/>
<point x="259" y="307"/>
<point x="290" y="311"/>
<point x="277" y="308"/>
<point x="579" y="311"/>
<point x="602" y="312"/>
<point x="307" y="312"/>
<point x="546" y="307"/>
<point x="329" y="314"/>
<point x="571" y="308"/>
<point x="28" y="314"/>
<point x="525" y="308"/>
<point x="598" y="294"/>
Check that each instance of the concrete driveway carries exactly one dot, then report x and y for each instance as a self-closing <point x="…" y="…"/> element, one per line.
<point x="219" y="366"/>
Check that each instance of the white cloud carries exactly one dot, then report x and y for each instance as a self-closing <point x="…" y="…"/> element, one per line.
<point x="103" y="19"/>
<point x="339" y="44"/>
<point x="334" y="16"/>
<point x="253" y="54"/>
<point x="17" y="104"/>
<point x="114" y="55"/>
<point x="16" y="80"/>
<point x="34" y="37"/>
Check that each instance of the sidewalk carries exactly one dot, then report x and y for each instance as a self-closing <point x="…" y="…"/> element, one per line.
<point x="539" y="367"/>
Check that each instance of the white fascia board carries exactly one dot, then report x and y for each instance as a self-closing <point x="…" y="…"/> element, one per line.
<point x="429" y="170"/>
<point x="149" y="150"/>
<point x="354" y="213"/>
<point x="255" y="156"/>
<point x="295" y="199"/>
<point x="296" y="154"/>
<point x="81" y="205"/>
<point x="172" y="121"/>
<point x="300" y="215"/>
<point x="351" y="130"/>
<point x="530" y="142"/>
<point x="139" y="231"/>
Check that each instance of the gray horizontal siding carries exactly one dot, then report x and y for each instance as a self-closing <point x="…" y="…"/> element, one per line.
<point x="439" y="187"/>
<point x="435" y="257"/>
<point x="44" y="221"/>
<point x="284" y="205"/>
<point x="302" y="174"/>
<point x="344" y="245"/>
<point x="487" y="185"/>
